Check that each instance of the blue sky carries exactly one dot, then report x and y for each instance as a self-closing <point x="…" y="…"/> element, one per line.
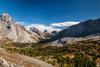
<point x="47" y="13"/>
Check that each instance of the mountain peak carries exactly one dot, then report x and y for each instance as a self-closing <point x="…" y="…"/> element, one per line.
<point x="17" y="33"/>
<point x="89" y="29"/>
<point x="5" y="14"/>
<point x="33" y="29"/>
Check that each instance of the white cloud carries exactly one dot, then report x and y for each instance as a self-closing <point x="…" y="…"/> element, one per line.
<point x="20" y="22"/>
<point x="42" y="27"/>
<point x="63" y="24"/>
<point x="50" y="28"/>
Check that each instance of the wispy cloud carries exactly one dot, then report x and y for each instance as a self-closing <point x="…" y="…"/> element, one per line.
<point x="63" y="24"/>
<point x="17" y="22"/>
<point x="42" y="27"/>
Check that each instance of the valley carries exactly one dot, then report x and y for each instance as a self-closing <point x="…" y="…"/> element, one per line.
<point x="78" y="54"/>
<point x="49" y="33"/>
<point x="76" y="46"/>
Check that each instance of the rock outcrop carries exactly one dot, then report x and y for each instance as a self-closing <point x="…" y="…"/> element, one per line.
<point x="3" y="62"/>
<point x="46" y="32"/>
<point x="17" y="33"/>
<point x="84" y="30"/>
<point x="40" y="34"/>
<point x="19" y="60"/>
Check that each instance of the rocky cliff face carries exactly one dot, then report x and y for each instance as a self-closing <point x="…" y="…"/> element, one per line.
<point x="4" y="63"/>
<point x="40" y="34"/>
<point x="83" y="30"/>
<point x="17" y="33"/>
<point x="47" y="33"/>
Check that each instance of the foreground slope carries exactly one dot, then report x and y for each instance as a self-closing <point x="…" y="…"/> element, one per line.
<point x="80" y="54"/>
<point x="18" y="60"/>
<point x="84" y="30"/>
<point x="17" y="33"/>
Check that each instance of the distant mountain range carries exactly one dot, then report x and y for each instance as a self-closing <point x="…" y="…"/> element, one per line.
<point x="84" y="30"/>
<point x="17" y="33"/>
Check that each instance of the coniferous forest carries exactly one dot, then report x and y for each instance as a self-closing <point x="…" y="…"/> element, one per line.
<point x="85" y="53"/>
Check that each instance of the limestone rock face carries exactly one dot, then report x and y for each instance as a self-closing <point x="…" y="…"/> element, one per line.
<point x="15" y="32"/>
<point x="4" y="63"/>
<point x="42" y="35"/>
<point x="84" y="30"/>
<point x="47" y="33"/>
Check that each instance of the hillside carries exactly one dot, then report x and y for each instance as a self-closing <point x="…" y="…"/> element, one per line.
<point x="15" y="32"/>
<point x="84" y="30"/>
<point x="35" y="30"/>
<point x="19" y="60"/>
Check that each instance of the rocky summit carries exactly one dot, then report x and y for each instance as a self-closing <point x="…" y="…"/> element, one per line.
<point x="15" y="32"/>
<point x="41" y="34"/>
<point x="84" y="30"/>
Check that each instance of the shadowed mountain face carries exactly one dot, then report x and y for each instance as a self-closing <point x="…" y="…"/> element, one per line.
<point x="54" y="32"/>
<point x="83" y="30"/>
<point x="17" y="33"/>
